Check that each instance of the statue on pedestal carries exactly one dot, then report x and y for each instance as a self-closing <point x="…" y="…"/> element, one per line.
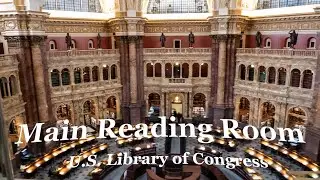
<point x="163" y="40"/>
<point x="69" y="41"/>
<point x="258" y="39"/>
<point x="99" y="41"/>
<point x="293" y="38"/>
<point x="191" y="39"/>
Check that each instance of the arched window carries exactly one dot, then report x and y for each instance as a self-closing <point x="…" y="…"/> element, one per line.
<point x="74" y="5"/>
<point x="73" y="44"/>
<point x="168" y="67"/>
<point x="251" y="73"/>
<point x="282" y="76"/>
<point x="86" y="74"/>
<point x="242" y="72"/>
<point x="89" y="110"/>
<point x="4" y="87"/>
<point x="65" y="75"/>
<point x="262" y="74"/>
<point x="112" y="107"/>
<point x="176" y="70"/>
<point x="267" y="4"/>
<point x="77" y="75"/>
<point x="199" y="105"/>
<point x="244" y="109"/>
<point x="154" y="103"/>
<point x="204" y="70"/>
<point x="149" y="70"/>
<point x="307" y="79"/>
<point x="157" y="70"/>
<point x="312" y="43"/>
<point x="272" y="75"/>
<point x="268" y="43"/>
<point x="295" y="78"/>
<point x="13" y="85"/>
<point x="52" y="45"/>
<point x="90" y="44"/>
<point x="95" y="73"/>
<point x="185" y="6"/>
<point x="296" y="117"/>
<point x="195" y="70"/>
<point x="267" y="114"/>
<point x="55" y="78"/>
<point x="64" y="112"/>
<point x="287" y="45"/>
<point x="185" y="70"/>
<point x="114" y="72"/>
<point x="105" y="72"/>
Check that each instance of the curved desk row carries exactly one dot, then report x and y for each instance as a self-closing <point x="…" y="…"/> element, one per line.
<point x="207" y="151"/>
<point x="281" y="169"/>
<point x="66" y="167"/>
<point x="133" y="141"/>
<point x="228" y="144"/>
<point x="32" y="167"/>
<point x="304" y="161"/>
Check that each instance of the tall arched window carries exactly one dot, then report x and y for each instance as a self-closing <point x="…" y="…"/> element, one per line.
<point x="244" y="109"/>
<point x="112" y="107"/>
<point x="73" y="44"/>
<point x="176" y="70"/>
<point x="13" y="85"/>
<point x="65" y="76"/>
<point x="195" y="70"/>
<point x="262" y="74"/>
<point x="268" y="43"/>
<point x="77" y="75"/>
<point x="105" y="72"/>
<point x="86" y="74"/>
<point x="296" y="117"/>
<point x="267" y="114"/>
<point x="282" y="73"/>
<point x="251" y="73"/>
<point x="157" y="70"/>
<point x="64" y="112"/>
<point x="272" y="75"/>
<point x="52" y="45"/>
<point x="55" y="78"/>
<point x="185" y="70"/>
<point x="4" y="87"/>
<point x="154" y="103"/>
<point x="95" y="73"/>
<point x="242" y="72"/>
<point x="312" y="43"/>
<point x="168" y="67"/>
<point x="199" y="105"/>
<point x="74" y="5"/>
<point x="204" y="70"/>
<point x="295" y="78"/>
<point x="287" y="45"/>
<point x="307" y="79"/>
<point x="114" y="72"/>
<point x="149" y="70"/>
<point x="90" y="44"/>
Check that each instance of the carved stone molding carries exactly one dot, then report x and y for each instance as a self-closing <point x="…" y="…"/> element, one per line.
<point x="220" y="37"/>
<point x="17" y="41"/>
<point x="134" y="39"/>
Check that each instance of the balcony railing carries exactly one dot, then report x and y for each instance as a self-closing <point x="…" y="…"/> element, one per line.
<point x="177" y="50"/>
<point x="177" y="81"/>
<point x="95" y="52"/>
<point x="278" y="52"/>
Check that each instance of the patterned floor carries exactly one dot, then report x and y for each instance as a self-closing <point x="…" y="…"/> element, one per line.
<point x="82" y="173"/>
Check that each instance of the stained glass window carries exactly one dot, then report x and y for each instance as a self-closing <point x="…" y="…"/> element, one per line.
<point x="177" y="6"/>
<point x="73" y="5"/>
<point x="267" y="4"/>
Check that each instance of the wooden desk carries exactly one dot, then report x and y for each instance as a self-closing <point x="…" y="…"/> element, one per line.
<point x="304" y="161"/>
<point x="32" y="167"/>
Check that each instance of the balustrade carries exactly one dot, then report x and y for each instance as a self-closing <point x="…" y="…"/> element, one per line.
<point x="278" y="52"/>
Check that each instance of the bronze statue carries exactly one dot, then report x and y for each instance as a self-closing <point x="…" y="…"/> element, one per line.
<point x="99" y="41"/>
<point x="68" y="41"/>
<point x="293" y="38"/>
<point x="163" y="40"/>
<point x="258" y="39"/>
<point x="191" y="39"/>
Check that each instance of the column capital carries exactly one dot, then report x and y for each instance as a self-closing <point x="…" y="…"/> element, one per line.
<point x="220" y="37"/>
<point x="37" y="40"/>
<point x="133" y="39"/>
<point x="17" y="41"/>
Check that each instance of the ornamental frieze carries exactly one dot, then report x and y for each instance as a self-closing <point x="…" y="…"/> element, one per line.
<point x="177" y="27"/>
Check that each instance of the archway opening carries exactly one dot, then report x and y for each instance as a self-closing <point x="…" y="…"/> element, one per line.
<point x="296" y="118"/>
<point x="64" y="112"/>
<point x="267" y="114"/>
<point x="199" y="105"/>
<point x="244" y="110"/>
<point x="88" y="112"/>
<point x="154" y="104"/>
<point x="111" y="111"/>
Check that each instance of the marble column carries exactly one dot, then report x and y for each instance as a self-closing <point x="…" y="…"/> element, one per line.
<point x="162" y="99"/>
<point x="39" y="70"/>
